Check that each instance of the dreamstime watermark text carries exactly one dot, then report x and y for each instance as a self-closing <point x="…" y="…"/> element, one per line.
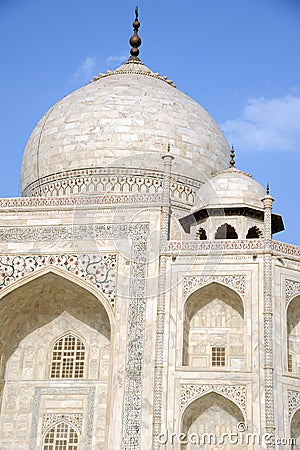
<point x="239" y="437"/>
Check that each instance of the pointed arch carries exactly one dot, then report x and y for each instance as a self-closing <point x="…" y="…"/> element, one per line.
<point x="226" y="231"/>
<point x="67" y="275"/>
<point x="209" y="416"/>
<point x="213" y="328"/>
<point x="295" y="429"/>
<point x="293" y="335"/>
<point x="41" y="299"/>
<point x="61" y="435"/>
<point x="38" y="314"/>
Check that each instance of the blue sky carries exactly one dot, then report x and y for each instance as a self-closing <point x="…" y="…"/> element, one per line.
<point x="238" y="58"/>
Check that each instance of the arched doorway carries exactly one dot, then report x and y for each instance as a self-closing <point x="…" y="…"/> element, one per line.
<point x="56" y="342"/>
<point x="208" y="420"/>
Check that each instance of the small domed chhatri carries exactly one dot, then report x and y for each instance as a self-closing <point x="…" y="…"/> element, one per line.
<point x="231" y="187"/>
<point x="230" y="200"/>
<point x="123" y="119"/>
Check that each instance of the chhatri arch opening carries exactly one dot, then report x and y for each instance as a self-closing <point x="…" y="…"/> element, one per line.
<point x="214" y="328"/>
<point x="53" y="329"/>
<point x="207" y="420"/>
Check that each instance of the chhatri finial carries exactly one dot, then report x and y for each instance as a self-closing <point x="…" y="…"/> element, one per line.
<point x="135" y="40"/>
<point x="232" y="156"/>
<point x="268" y="189"/>
<point x="169" y="147"/>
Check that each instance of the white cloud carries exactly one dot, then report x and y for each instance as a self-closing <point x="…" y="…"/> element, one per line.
<point x="85" y="71"/>
<point x="266" y="124"/>
<point x="114" y="61"/>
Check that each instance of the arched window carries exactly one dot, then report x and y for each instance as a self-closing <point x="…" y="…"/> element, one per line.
<point x="254" y="233"/>
<point x="201" y="234"/>
<point x="226" y="231"/>
<point x="68" y="357"/>
<point x="61" y="436"/>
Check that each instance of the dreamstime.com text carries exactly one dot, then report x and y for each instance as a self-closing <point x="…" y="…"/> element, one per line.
<point x="240" y="437"/>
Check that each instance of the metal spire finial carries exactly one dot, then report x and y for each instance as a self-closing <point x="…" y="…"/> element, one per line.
<point x="232" y="157"/>
<point x="135" y="40"/>
<point x="268" y="189"/>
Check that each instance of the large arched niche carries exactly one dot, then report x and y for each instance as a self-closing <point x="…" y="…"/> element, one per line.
<point x="295" y="429"/>
<point x="214" y="319"/>
<point x="211" y="414"/>
<point x="293" y="335"/>
<point x="33" y="317"/>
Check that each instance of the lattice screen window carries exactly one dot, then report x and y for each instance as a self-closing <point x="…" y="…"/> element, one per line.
<point x="218" y="356"/>
<point x="290" y="362"/>
<point x="61" y="436"/>
<point x="68" y="358"/>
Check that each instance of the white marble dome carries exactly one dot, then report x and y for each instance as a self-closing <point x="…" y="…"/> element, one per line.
<point x="231" y="188"/>
<point x="124" y="119"/>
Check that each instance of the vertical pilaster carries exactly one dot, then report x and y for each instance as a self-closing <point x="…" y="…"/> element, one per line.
<point x="268" y="322"/>
<point x="160" y="319"/>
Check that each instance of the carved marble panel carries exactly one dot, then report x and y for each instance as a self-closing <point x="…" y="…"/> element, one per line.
<point x="293" y="401"/>
<point x="236" y="282"/>
<point x="292" y="288"/>
<point x="235" y="393"/>
<point x="98" y="270"/>
<point x="51" y="419"/>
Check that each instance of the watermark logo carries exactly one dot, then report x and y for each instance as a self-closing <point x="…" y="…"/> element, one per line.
<point x="241" y="436"/>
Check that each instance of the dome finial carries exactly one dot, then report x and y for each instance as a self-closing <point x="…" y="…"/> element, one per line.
<point x="268" y="189"/>
<point x="135" y="40"/>
<point x="232" y="157"/>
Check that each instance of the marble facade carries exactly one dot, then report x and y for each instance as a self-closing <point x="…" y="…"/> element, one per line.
<point x="177" y="332"/>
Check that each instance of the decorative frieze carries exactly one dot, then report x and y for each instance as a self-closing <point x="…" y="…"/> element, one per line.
<point x="236" y="282"/>
<point x="110" y="181"/>
<point x="235" y="393"/>
<point x="51" y="419"/>
<point x="98" y="270"/>
<point x="293" y="401"/>
<point x="49" y="233"/>
<point x="81" y="201"/>
<point x="292" y="288"/>
<point x="196" y="246"/>
<point x="288" y="249"/>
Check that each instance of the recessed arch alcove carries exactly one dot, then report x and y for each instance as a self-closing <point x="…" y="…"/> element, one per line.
<point x="34" y="318"/>
<point x="213" y="328"/>
<point x="210" y="417"/>
<point x="295" y="429"/>
<point x="293" y="335"/>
